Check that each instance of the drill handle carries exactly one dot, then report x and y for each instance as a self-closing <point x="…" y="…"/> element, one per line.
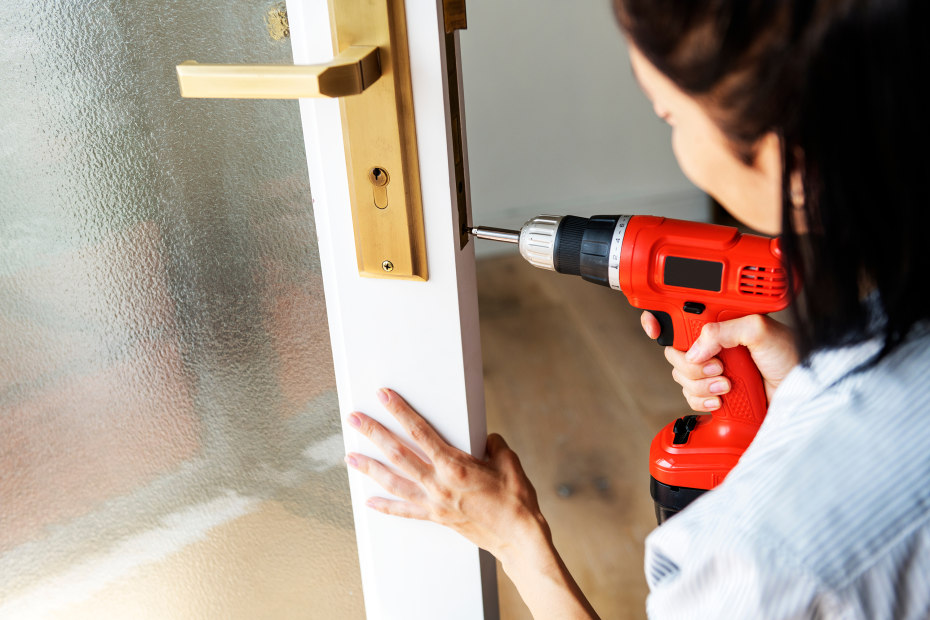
<point x="746" y="401"/>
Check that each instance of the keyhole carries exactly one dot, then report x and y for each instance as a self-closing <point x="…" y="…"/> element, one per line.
<point x="378" y="176"/>
<point x="379" y="179"/>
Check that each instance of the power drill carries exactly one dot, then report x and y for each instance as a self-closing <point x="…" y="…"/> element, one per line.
<point x="687" y="274"/>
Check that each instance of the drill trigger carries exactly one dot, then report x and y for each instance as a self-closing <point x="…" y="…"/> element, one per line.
<point x="667" y="334"/>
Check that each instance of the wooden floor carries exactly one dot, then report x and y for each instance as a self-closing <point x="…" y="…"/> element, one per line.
<point x="578" y="390"/>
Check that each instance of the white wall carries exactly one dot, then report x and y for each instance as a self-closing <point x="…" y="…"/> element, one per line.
<point x="555" y="121"/>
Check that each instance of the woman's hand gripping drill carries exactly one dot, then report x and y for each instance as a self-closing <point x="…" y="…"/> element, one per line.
<point x="700" y="373"/>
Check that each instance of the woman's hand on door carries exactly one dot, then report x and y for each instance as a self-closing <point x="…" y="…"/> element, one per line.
<point x="489" y="501"/>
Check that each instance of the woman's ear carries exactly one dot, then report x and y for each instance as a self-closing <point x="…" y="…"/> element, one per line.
<point x="797" y="190"/>
<point x="796" y="195"/>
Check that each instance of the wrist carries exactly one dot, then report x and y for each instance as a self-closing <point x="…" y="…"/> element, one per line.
<point x="540" y="576"/>
<point x="530" y="547"/>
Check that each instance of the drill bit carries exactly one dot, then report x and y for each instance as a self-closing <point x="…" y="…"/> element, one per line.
<point x="495" y="234"/>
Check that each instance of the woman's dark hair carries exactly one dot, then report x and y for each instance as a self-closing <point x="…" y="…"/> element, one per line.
<point x="838" y="81"/>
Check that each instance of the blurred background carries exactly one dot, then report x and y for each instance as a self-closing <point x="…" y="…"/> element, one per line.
<point x="556" y="124"/>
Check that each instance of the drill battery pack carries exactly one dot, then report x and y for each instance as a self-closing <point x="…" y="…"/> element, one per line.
<point x="671" y="500"/>
<point x="692" y="455"/>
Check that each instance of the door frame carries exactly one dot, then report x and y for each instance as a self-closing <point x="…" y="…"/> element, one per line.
<point x="419" y="338"/>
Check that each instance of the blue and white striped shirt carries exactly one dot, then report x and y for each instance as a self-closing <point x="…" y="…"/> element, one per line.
<point x="827" y="513"/>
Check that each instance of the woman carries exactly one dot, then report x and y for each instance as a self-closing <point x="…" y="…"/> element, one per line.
<point x="802" y="119"/>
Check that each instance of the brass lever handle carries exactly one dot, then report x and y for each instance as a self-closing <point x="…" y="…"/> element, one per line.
<point x="349" y="73"/>
<point x="378" y="128"/>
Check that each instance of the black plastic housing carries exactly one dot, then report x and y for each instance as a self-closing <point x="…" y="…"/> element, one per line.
<point x="670" y="500"/>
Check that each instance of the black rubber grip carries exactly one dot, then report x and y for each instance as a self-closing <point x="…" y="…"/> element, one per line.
<point x="595" y="248"/>
<point x="670" y="500"/>
<point x="582" y="247"/>
<point x="567" y="252"/>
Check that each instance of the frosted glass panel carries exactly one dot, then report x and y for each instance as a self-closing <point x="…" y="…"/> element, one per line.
<point x="169" y="436"/>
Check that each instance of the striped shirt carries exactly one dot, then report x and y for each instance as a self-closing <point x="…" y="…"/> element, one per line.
<point x="827" y="514"/>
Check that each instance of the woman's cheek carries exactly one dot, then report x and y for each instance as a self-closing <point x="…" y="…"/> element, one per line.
<point x="711" y="168"/>
<point x="689" y="159"/>
<point x="708" y="163"/>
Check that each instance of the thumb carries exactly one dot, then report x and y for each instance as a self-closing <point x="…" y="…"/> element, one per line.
<point x="748" y="331"/>
<point x="496" y="446"/>
<point x="770" y="343"/>
<point x="501" y="456"/>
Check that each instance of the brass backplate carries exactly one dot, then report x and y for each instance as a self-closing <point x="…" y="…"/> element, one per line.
<point x="380" y="137"/>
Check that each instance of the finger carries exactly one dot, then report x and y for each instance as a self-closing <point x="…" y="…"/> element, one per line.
<point x="419" y="429"/>
<point x="386" y="479"/>
<point x="702" y="388"/>
<point x="650" y="324"/>
<point x="689" y="370"/>
<point x="702" y="404"/>
<point x="398" y="508"/>
<point x="747" y="331"/>
<point x="392" y="447"/>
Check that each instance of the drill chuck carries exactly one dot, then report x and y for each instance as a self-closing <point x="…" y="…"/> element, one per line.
<point x="538" y="241"/>
<point x="581" y="246"/>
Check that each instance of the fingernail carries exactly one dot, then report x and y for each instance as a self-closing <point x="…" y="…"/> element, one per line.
<point x="711" y="403"/>
<point x="350" y="460"/>
<point x="355" y="421"/>
<point x="718" y="387"/>
<point x="383" y="396"/>
<point x="712" y="369"/>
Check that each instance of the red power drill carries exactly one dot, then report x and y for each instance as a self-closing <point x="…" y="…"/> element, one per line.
<point x="686" y="274"/>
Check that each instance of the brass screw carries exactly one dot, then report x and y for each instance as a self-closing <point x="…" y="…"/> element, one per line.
<point x="387" y="266"/>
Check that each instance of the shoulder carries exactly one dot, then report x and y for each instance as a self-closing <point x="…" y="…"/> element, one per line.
<point x="825" y="503"/>
<point x="700" y="567"/>
<point x="703" y="563"/>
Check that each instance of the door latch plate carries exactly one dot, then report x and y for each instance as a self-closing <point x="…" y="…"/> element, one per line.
<point x="380" y="137"/>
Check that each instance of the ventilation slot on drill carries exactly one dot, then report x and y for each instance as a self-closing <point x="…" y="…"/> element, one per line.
<point x="763" y="281"/>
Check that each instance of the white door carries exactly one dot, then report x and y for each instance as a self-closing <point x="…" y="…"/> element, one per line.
<point x="420" y="338"/>
<point x="172" y="383"/>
